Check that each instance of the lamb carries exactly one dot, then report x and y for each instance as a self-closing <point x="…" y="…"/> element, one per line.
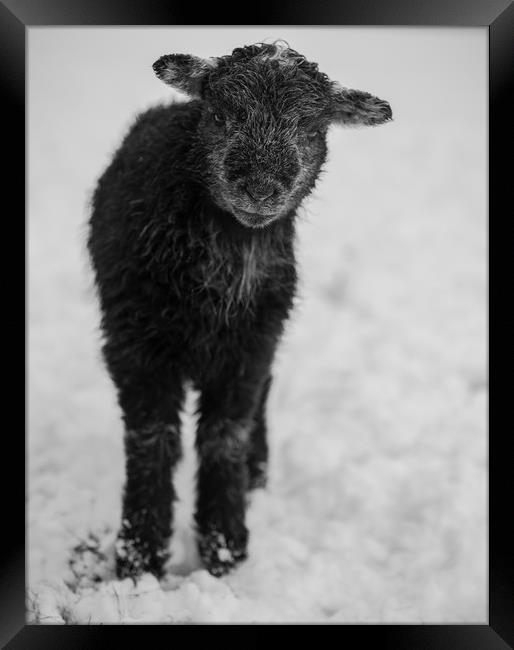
<point x="191" y="238"/>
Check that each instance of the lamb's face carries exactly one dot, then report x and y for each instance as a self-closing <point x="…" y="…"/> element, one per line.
<point x="265" y="127"/>
<point x="264" y="123"/>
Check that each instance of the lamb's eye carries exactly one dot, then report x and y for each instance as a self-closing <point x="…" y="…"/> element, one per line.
<point x="219" y="120"/>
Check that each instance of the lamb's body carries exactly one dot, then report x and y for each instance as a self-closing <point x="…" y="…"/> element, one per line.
<point x="180" y="277"/>
<point x="186" y="294"/>
<point x="190" y="293"/>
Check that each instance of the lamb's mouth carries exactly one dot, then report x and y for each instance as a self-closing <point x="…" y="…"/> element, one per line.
<point x="253" y="219"/>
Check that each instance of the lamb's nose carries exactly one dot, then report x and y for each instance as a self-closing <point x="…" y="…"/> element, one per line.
<point x="260" y="192"/>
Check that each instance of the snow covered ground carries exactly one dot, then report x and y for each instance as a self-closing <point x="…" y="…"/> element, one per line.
<point x="376" y="507"/>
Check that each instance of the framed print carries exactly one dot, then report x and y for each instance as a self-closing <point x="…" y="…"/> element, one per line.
<point x="257" y="294"/>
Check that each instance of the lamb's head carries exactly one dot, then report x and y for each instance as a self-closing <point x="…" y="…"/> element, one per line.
<point x="266" y="111"/>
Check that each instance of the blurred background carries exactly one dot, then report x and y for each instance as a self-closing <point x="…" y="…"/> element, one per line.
<point x="376" y="507"/>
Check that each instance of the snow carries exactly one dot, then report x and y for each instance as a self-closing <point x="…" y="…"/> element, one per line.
<point x="375" y="509"/>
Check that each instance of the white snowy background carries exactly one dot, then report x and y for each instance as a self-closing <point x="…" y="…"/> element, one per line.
<point x="376" y="507"/>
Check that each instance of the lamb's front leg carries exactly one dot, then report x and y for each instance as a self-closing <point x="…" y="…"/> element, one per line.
<point x="152" y="449"/>
<point x="226" y="411"/>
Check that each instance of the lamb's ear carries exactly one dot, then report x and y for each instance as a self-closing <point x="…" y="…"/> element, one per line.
<point x="355" y="107"/>
<point x="184" y="71"/>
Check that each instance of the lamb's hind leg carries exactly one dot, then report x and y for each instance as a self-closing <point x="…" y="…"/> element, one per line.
<point x="227" y="407"/>
<point x="257" y="460"/>
<point x="151" y="412"/>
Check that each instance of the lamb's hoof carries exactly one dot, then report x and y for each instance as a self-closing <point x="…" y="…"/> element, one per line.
<point x="134" y="558"/>
<point x="221" y="553"/>
<point x="257" y="475"/>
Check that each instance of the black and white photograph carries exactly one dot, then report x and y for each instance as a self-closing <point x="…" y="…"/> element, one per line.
<point x="257" y="324"/>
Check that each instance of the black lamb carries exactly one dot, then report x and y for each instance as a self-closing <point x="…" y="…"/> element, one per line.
<point x="191" y="239"/>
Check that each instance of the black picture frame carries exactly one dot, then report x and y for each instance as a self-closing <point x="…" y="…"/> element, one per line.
<point x="16" y="16"/>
